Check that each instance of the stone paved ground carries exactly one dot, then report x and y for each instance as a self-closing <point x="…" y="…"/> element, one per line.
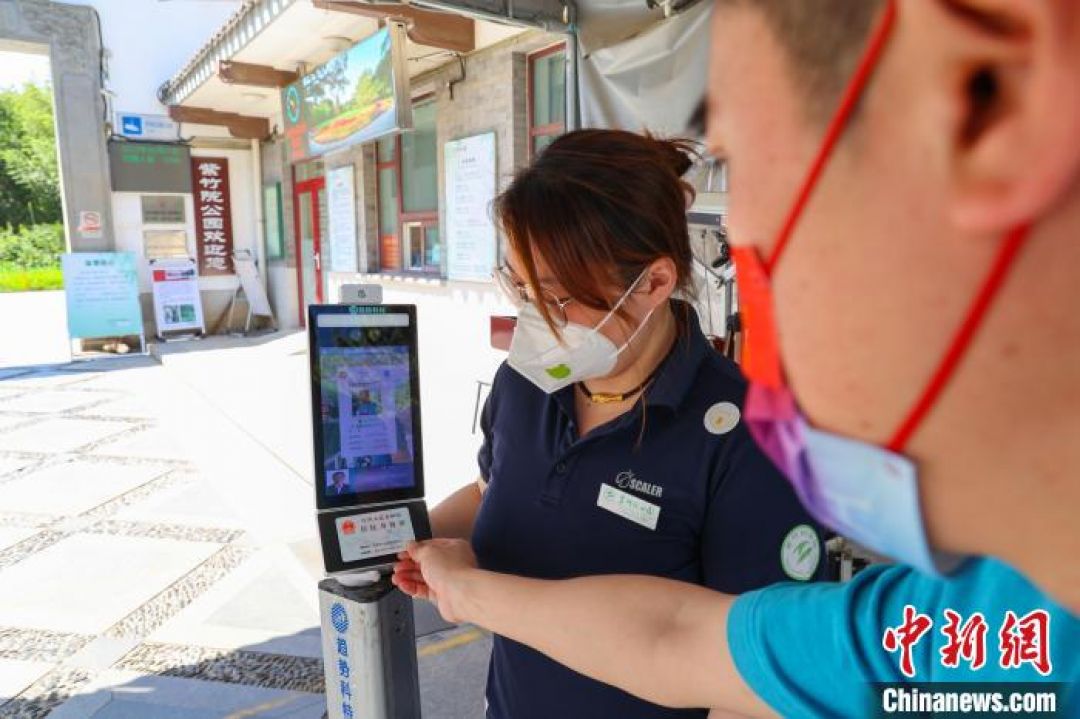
<point x="130" y="589"/>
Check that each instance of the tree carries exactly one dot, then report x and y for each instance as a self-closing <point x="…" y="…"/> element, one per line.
<point x="29" y="179"/>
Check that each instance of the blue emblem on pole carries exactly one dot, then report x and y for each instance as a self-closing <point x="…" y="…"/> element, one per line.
<point x="339" y="618"/>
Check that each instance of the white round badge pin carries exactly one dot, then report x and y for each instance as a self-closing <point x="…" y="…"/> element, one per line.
<point x="722" y="417"/>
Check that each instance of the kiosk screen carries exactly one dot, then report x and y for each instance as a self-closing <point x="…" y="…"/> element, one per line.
<point x="367" y="415"/>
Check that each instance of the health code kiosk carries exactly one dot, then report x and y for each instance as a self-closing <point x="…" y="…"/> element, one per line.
<point x="369" y="495"/>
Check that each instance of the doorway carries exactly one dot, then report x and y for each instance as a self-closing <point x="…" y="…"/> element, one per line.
<point x="309" y="202"/>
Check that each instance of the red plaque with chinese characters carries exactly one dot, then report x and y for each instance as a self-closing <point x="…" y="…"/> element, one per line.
<point x="213" y="215"/>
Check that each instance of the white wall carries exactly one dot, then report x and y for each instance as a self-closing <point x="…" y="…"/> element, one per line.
<point x="127" y="214"/>
<point x="283" y="298"/>
<point x="127" y="221"/>
<point x="148" y="42"/>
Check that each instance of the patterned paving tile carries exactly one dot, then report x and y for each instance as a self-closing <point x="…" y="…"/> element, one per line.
<point x="12" y="463"/>
<point x="61" y="587"/>
<point x="29" y="547"/>
<point x="53" y="401"/>
<point x="117" y="438"/>
<point x="72" y="485"/>
<point x="39" y="645"/>
<point x="16" y="675"/>
<point x="147" y="440"/>
<point x="182" y="532"/>
<point x="47" y="380"/>
<point x="138" y="494"/>
<point x="26" y="519"/>
<point x="46" y="694"/>
<point x="273" y="671"/>
<point x="180" y="594"/>
<point x="10" y="536"/>
<point x="10" y="421"/>
<point x="59" y="434"/>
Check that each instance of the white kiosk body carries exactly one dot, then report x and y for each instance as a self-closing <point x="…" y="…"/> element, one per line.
<point x="369" y="651"/>
<point x="369" y="498"/>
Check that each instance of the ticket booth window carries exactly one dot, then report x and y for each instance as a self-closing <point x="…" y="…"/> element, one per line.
<point x="163" y="209"/>
<point x="407" y="170"/>
<point x="164" y="226"/>
<point x="547" y="97"/>
<point x="165" y="244"/>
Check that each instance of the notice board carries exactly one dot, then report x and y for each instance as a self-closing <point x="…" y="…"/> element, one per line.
<point x="177" y="303"/>
<point x="102" y="293"/>
<point x="470" y="190"/>
<point x="341" y="209"/>
<point x="149" y="167"/>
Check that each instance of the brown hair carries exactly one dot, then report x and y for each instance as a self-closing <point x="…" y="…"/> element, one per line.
<point x="599" y="206"/>
<point x="823" y="40"/>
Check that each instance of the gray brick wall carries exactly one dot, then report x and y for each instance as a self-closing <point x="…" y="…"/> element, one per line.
<point x="491" y="98"/>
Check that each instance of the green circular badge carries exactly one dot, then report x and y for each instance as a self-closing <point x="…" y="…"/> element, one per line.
<point x="800" y="553"/>
<point x="292" y="104"/>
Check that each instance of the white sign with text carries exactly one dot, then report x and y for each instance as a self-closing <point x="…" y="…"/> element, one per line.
<point x="470" y="189"/>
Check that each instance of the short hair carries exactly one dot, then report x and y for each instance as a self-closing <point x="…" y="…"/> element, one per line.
<point x="823" y="40"/>
<point x="623" y="206"/>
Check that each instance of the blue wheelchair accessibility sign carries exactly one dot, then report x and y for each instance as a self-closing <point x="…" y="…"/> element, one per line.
<point x="132" y="125"/>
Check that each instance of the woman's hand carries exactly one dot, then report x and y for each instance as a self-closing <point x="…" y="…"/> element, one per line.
<point x="437" y="570"/>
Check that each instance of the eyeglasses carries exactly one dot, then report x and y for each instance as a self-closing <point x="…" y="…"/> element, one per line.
<point x="519" y="294"/>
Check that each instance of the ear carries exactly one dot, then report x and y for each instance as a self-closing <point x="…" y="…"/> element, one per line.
<point x="1014" y="74"/>
<point x="660" y="280"/>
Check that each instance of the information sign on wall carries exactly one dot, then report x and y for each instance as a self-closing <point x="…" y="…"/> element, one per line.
<point x="177" y="305"/>
<point x="102" y="293"/>
<point x="341" y="207"/>
<point x="470" y="189"/>
<point x="213" y="215"/>
<point x="149" y="167"/>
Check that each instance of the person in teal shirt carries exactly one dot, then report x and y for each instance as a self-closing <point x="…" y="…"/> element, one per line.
<point x="818" y="652"/>
<point x="904" y="212"/>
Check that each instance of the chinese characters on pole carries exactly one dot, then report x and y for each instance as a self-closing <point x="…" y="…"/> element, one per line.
<point x="213" y="215"/>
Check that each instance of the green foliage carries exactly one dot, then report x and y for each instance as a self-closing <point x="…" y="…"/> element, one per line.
<point x="321" y="111"/>
<point x="29" y="180"/>
<point x="17" y="279"/>
<point x="369" y="88"/>
<point x="32" y="247"/>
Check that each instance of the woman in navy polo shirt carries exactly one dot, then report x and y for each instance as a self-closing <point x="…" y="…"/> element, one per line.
<point x="612" y="435"/>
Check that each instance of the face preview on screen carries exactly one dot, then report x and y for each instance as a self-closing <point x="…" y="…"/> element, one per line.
<point x="366" y="408"/>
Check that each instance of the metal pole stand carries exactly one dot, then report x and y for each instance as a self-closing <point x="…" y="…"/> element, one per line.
<point x="369" y="651"/>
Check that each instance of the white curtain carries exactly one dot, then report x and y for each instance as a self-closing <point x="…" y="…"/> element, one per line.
<point x="638" y="73"/>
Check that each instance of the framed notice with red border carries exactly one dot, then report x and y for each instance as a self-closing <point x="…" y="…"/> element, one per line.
<point x="213" y="215"/>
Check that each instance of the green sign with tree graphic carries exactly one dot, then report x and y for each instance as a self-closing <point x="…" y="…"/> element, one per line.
<point x="356" y="97"/>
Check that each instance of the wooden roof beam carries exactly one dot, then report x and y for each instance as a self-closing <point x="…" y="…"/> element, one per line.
<point x="425" y="27"/>
<point x="244" y="73"/>
<point x="241" y="126"/>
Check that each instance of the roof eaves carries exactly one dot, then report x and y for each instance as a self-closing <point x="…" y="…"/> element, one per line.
<point x="239" y="30"/>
